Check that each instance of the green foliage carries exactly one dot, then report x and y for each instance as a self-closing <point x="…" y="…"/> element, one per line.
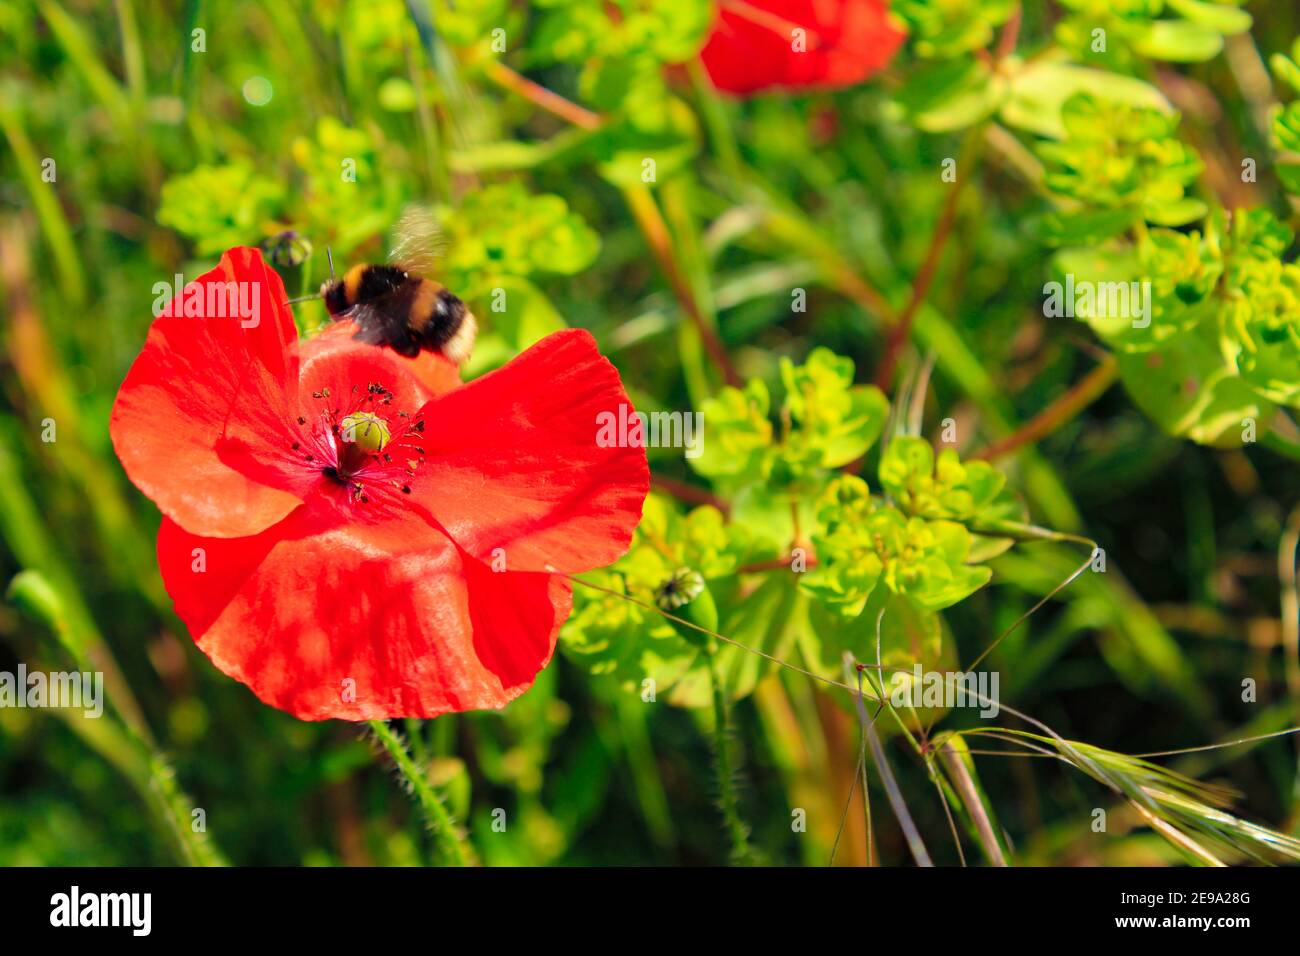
<point x="621" y="50"/>
<point x="343" y="194"/>
<point x="947" y="29"/>
<point x="742" y="449"/>
<point x="470" y="24"/>
<point x="948" y="95"/>
<point x="867" y="543"/>
<point x="340" y="197"/>
<point x="597" y="34"/>
<point x="834" y="421"/>
<point x="1123" y="31"/>
<point x="220" y="206"/>
<point x="1206" y="341"/>
<point x="920" y="541"/>
<point x="950" y="88"/>
<point x="631" y="642"/>
<point x="1121" y="157"/>
<point x="826" y="422"/>
<point x="973" y="492"/>
<point x="499" y="242"/>
<point x="1220" y="346"/>
<point x="502" y="230"/>
<point x="1040" y="88"/>
<point x="1286" y="122"/>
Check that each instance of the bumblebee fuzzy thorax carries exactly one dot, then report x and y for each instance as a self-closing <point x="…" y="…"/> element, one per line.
<point x="360" y="285"/>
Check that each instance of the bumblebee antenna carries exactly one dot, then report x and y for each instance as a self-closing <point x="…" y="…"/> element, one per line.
<point x="303" y="298"/>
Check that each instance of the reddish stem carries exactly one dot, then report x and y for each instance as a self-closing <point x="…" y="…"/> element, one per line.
<point x="651" y="220"/>
<point x="691" y="494"/>
<point x="1010" y="34"/>
<point x="775" y="564"/>
<point x="540" y="96"/>
<point x="920" y="285"/>
<point x="1084" y="393"/>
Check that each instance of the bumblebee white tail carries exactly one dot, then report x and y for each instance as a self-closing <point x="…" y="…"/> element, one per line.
<point x="460" y="345"/>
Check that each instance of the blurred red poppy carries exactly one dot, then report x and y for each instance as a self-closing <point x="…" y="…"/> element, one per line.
<point x="355" y="534"/>
<point x="758" y="45"/>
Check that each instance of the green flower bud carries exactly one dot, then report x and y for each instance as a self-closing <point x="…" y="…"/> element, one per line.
<point x="686" y="596"/>
<point x="287" y="250"/>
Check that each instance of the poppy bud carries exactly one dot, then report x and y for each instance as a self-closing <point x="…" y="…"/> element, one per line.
<point x="287" y="250"/>
<point x="686" y="596"/>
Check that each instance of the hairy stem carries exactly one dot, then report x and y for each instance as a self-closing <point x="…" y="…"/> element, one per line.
<point x="154" y="780"/>
<point x="122" y="738"/>
<point x="449" y="844"/>
<point x="724" y="764"/>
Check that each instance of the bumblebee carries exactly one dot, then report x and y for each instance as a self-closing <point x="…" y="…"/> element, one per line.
<point x="394" y="306"/>
<point x="406" y="312"/>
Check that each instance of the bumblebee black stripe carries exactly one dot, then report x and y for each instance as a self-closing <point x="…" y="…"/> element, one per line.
<point x="448" y="314"/>
<point x="379" y="280"/>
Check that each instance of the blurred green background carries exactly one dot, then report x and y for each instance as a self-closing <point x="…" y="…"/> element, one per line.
<point x="169" y="145"/>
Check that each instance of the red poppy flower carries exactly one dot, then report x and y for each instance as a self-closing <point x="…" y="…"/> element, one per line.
<point x="760" y="44"/>
<point x="355" y="534"/>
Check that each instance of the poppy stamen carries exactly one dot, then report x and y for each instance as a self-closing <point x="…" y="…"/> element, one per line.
<point x="354" y="443"/>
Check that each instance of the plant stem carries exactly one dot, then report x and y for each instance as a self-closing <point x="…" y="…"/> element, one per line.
<point x="954" y="762"/>
<point x="154" y="780"/>
<point x="1281" y="437"/>
<point x="1091" y="387"/>
<point x="946" y="799"/>
<point x="651" y="221"/>
<point x="540" y="96"/>
<point x="1010" y="34"/>
<point x="1251" y="73"/>
<point x="775" y="564"/>
<point x="899" y="334"/>
<point x="791" y="226"/>
<point x="1287" y="581"/>
<point x="715" y="120"/>
<point x="723" y="765"/>
<point x="896" y="802"/>
<point x="1290" y="616"/>
<point x="450" y="845"/>
<point x="128" y="745"/>
<point x="691" y="494"/>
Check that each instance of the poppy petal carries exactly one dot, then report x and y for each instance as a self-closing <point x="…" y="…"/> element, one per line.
<point x="328" y="620"/>
<point x="513" y="462"/>
<point x="339" y="376"/>
<point x="209" y="398"/>
<point x="797" y="44"/>
<point x="433" y="372"/>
